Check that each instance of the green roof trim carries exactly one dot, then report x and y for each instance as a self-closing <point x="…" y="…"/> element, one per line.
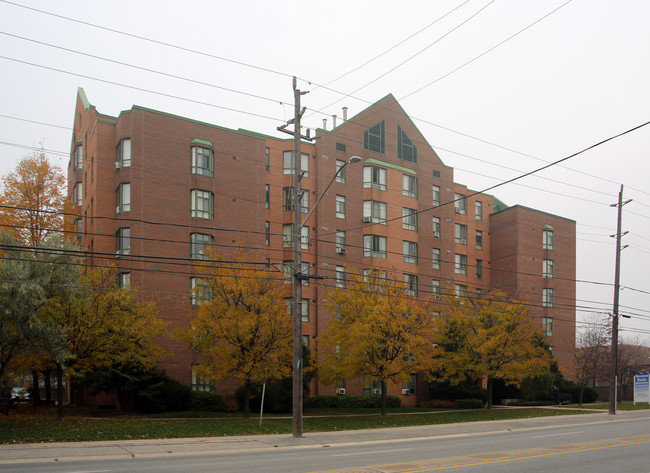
<point x="499" y="205"/>
<point x="82" y="95"/>
<point x="389" y="165"/>
<point x="199" y="141"/>
<point x="548" y="227"/>
<point x="533" y="210"/>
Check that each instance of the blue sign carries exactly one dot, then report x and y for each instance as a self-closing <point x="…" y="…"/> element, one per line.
<point x="642" y="387"/>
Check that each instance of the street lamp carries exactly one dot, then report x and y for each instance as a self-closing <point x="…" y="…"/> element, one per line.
<point x="299" y="277"/>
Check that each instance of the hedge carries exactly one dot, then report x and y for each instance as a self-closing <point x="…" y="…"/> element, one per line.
<point x="351" y="401"/>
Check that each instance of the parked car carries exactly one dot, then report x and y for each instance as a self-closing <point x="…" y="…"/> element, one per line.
<point x="20" y="392"/>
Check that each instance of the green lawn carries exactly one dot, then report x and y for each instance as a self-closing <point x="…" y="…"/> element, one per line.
<point x="28" y="425"/>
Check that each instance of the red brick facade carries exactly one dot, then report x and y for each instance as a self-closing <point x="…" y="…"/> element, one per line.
<point x="247" y="164"/>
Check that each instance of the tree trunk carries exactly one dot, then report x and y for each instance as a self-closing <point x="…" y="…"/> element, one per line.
<point x="490" y="385"/>
<point x="36" y="392"/>
<point x="48" y="386"/>
<point x="247" y="399"/>
<point x="59" y="390"/>
<point x="383" y="397"/>
<point x="582" y="390"/>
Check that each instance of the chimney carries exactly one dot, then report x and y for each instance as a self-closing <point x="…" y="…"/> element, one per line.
<point x="324" y="123"/>
<point x="345" y="114"/>
<point x="333" y="121"/>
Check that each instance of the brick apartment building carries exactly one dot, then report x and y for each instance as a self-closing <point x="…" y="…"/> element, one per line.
<point x="154" y="188"/>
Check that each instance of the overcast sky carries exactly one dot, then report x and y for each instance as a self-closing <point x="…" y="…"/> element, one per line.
<point x="498" y="88"/>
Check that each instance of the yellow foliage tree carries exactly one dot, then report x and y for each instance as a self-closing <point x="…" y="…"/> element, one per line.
<point x="242" y="327"/>
<point x="490" y="336"/>
<point x="33" y="199"/>
<point x="99" y="326"/>
<point x="380" y="330"/>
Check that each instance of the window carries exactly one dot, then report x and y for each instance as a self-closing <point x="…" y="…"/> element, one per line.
<point x="479" y="269"/>
<point x="200" y="291"/>
<point x="374" y="177"/>
<point x="304" y="309"/>
<point x="409" y="219"/>
<point x="201" y="204"/>
<point x="374" y="211"/>
<point x="547" y="268"/>
<point x="287" y="270"/>
<point x="409" y="185"/>
<point x="435" y="288"/>
<point x="78" y="157"/>
<point x="78" y="229"/>
<point x="268" y="159"/>
<point x="199" y="243"/>
<point x="305" y="338"/>
<point x="340" y="276"/>
<point x="460" y="204"/>
<point x="202" y="161"/>
<point x="478" y="210"/>
<point x="201" y="384"/>
<point x="340" y="169"/>
<point x="373" y="138"/>
<point x="267" y="233"/>
<point x="287" y="236"/>
<point x="268" y="196"/>
<point x="460" y="233"/>
<point x="460" y="264"/>
<point x="460" y="290"/>
<point x="410" y="386"/>
<point x="78" y="194"/>
<point x="436" y="174"/>
<point x="435" y="195"/>
<point x="479" y="240"/>
<point x="435" y="258"/>
<point x="123" y="237"/>
<point x="374" y="246"/>
<point x="123" y="159"/>
<point x="411" y="281"/>
<point x="340" y="206"/>
<point x="340" y="147"/>
<point x="436" y="227"/>
<point x="406" y="150"/>
<point x="287" y="200"/>
<point x="547" y="239"/>
<point x="547" y="326"/>
<point x="124" y="280"/>
<point x="340" y="241"/>
<point x="288" y="164"/>
<point x="547" y="297"/>
<point x="123" y="198"/>
<point x="409" y="251"/>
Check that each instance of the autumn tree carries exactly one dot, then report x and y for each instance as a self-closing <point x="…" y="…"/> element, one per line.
<point x="591" y="356"/>
<point x="632" y="356"/>
<point x="100" y="326"/>
<point x="379" y="330"/>
<point x="33" y="200"/>
<point x="242" y="327"/>
<point x="491" y="337"/>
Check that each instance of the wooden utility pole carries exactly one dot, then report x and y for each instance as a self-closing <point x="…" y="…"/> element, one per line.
<point x="613" y="378"/>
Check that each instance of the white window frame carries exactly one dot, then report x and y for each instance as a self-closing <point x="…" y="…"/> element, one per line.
<point x="374" y="177"/>
<point x="340" y="276"/>
<point x="123" y="238"/>
<point x="548" y="297"/>
<point x="479" y="239"/>
<point x="340" y="206"/>
<point x="547" y="269"/>
<point x="460" y="233"/>
<point x="202" y="161"/>
<point x="409" y="252"/>
<point x="547" y="326"/>
<point x="548" y="239"/>
<point x="78" y="157"/>
<point x="436" y="226"/>
<point x="460" y="263"/>
<point x="199" y="291"/>
<point x="478" y="210"/>
<point x="123" y="197"/>
<point x="375" y="210"/>
<point x="435" y="195"/>
<point x="340" y="177"/>
<point x="460" y="203"/>
<point x="374" y="246"/>
<point x="340" y="239"/>
<point x="411" y="281"/>
<point x="409" y="185"/>
<point x="78" y="194"/>
<point x="435" y="258"/>
<point x="409" y="219"/>
<point x="123" y="153"/>
<point x="288" y="164"/>
<point x="201" y="199"/>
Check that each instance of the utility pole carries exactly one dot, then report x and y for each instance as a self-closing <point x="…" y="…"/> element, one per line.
<point x="613" y="378"/>
<point x="297" y="261"/>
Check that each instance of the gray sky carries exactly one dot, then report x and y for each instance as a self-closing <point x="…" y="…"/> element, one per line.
<point x="498" y="88"/>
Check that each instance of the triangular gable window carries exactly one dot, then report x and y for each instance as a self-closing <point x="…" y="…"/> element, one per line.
<point x="373" y="138"/>
<point x="406" y="150"/>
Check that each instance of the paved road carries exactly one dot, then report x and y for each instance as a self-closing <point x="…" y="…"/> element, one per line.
<point x="485" y="446"/>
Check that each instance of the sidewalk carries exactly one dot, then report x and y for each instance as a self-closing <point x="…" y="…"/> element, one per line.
<point x="211" y="445"/>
